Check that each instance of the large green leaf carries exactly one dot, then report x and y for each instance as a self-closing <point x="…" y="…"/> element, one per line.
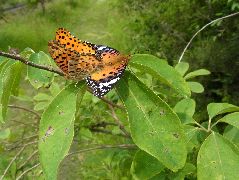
<point x="39" y="77"/>
<point x="232" y="119"/>
<point x="155" y="128"/>
<point x="145" y="166"/>
<point x="10" y="84"/>
<point x="217" y="159"/>
<point x="185" y="110"/>
<point x="215" y="109"/>
<point x="161" y="70"/>
<point x="57" y="129"/>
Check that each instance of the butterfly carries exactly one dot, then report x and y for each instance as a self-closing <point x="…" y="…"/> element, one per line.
<point x="101" y="66"/>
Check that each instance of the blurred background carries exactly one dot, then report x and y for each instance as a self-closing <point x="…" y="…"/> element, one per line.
<point x="158" y="27"/>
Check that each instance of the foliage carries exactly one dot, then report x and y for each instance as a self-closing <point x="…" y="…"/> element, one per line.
<point x="153" y="127"/>
<point x="163" y="28"/>
<point x="171" y="140"/>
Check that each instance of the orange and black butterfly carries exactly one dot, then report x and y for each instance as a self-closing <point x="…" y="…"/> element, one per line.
<point x="101" y="66"/>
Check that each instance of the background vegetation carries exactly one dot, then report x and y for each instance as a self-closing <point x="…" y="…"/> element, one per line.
<point x="157" y="27"/>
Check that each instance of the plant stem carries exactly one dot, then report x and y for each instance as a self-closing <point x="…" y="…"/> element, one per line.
<point x="28" y="170"/>
<point x="215" y="20"/>
<point x="25" y="61"/>
<point x="11" y="162"/>
<point x="121" y="146"/>
<point x="120" y="124"/>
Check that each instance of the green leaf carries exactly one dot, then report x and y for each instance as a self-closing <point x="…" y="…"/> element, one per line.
<point x="232" y="134"/>
<point x="155" y="128"/>
<point x="192" y="134"/>
<point x="199" y="72"/>
<point x="218" y="158"/>
<point x="185" y="110"/>
<point x="57" y="129"/>
<point x="42" y="97"/>
<point x="26" y="53"/>
<point x="215" y="109"/>
<point x="180" y="175"/>
<point x="145" y="166"/>
<point x="232" y="119"/>
<point x="40" y="77"/>
<point x="85" y="133"/>
<point x="4" y="133"/>
<point x="5" y="63"/>
<point x="161" y="70"/>
<point x="54" y="89"/>
<point x="10" y="84"/>
<point x="182" y="68"/>
<point x="41" y="105"/>
<point x="195" y="87"/>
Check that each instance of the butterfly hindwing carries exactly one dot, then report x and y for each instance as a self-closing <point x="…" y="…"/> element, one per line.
<point x="101" y="82"/>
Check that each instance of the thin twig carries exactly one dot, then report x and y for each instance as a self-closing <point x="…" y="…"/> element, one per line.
<point x="200" y="126"/>
<point x="214" y="124"/>
<point x="209" y="124"/>
<point x="112" y="104"/>
<point x="25" y="61"/>
<point x="27" y="160"/>
<point x="107" y="101"/>
<point x="120" y="146"/>
<point x="102" y="124"/>
<point x="11" y="162"/>
<point x="28" y="170"/>
<point x="27" y="144"/>
<point x="23" y="123"/>
<point x="120" y="124"/>
<point x="25" y="109"/>
<point x="17" y="143"/>
<point x="105" y="131"/>
<point x="215" y="20"/>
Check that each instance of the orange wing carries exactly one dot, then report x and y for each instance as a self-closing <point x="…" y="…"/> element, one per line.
<point x="71" y="42"/>
<point x="74" y="64"/>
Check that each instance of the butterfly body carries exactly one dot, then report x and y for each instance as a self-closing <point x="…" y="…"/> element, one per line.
<point x="101" y="66"/>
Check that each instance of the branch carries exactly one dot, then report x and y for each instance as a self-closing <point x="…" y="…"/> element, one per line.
<point x="120" y="146"/>
<point x="28" y="159"/>
<point x="107" y="101"/>
<point x="215" y="20"/>
<point x="33" y="167"/>
<point x="23" y="123"/>
<point x="120" y="124"/>
<point x="102" y="124"/>
<point x="11" y="162"/>
<point x="105" y="131"/>
<point x="25" y="61"/>
<point x="112" y="104"/>
<point x="25" y="109"/>
<point x="27" y="144"/>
